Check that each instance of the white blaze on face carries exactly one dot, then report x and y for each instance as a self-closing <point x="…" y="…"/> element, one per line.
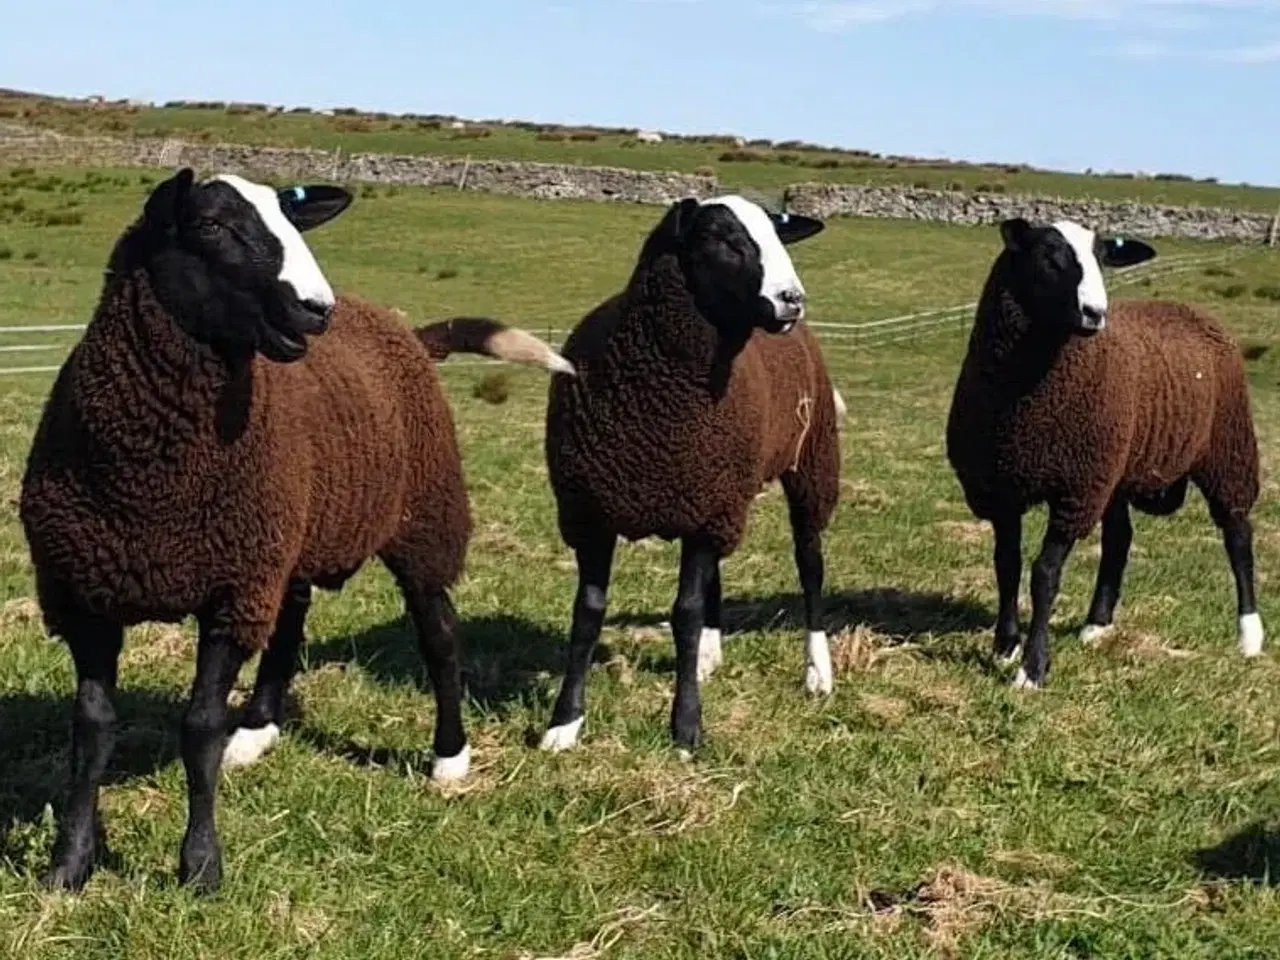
<point x="781" y="285"/>
<point x="1093" y="292"/>
<point x="299" y="269"/>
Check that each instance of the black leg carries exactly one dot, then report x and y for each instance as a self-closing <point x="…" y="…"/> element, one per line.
<point x="1117" y="536"/>
<point x="264" y="713"/>
<point x="1008" y="562"/>
<point x="710" y="651"/>
<point x="1237" y="536"/>
<point x="218" y="661"/>
<point x="818" y="678"/>
<point x="1046" y="573"/>
<point x="595" y="562"/>
<point x="687" y="619"/>
<point x="437" y="626"/>
<point x="95" y="646"/>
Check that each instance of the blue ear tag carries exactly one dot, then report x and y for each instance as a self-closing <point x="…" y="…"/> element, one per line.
<point x="1119" y="241"/>
<point x="299" y="194"/>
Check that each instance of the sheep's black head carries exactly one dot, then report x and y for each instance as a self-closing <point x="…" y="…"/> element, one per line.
<point x="1056" y="271"/>
<point x="228" y="261"/>
<point x="734" y="261"/>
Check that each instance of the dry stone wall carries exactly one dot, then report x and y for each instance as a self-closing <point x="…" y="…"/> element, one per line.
<point x="548" y="181"/>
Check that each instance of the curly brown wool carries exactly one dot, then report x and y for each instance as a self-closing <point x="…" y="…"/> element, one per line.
<point x="1092" y="425"/>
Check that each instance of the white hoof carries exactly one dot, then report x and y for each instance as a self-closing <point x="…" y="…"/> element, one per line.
<point x="710" y="655"/>
<point x="562" y="737"/>
<point x="818" y="679"/>
<point x="1091" y="633"/>
<point x="1023" y="682"/>
<point x="248" y="746"/>
<point x="445" y="769"/>
<point x="1250" y="635"/>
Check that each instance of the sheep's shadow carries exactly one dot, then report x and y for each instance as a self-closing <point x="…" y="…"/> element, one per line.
<point x="902" y="615"/>
<point x="35" y="756"/>
<point x="1250" y="854"/>
<point x="504" y="658"/>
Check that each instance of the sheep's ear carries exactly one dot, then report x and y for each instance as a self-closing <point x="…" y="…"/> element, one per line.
<point x="1119" y="252"/>
<point x="164" y="207"/>
<point x="309" y="206"/>
<point x="674" y="226"/>
<point x="792" y="228"/>
<point x="1016" y="234"/>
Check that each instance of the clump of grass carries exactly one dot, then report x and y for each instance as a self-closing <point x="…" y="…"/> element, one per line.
<point x="472" y="133"/>
<point x="493" y="388"/>
<point x="584" y="136"/>
<point x="6" y="253"/>
<point x="550" y="136"/>
<point x="1253" y="351"/>
<point x="991" y="188"/>
<point x="1231" y="291"/>
<point x="368" y="191"/>
<point x="705" y="171"/>
<point x="1268" y="291"/>
<point x="447" y="273"/>
<point x="1219" y="271"/>
<point x="742" y="156"/>
<point x="31" y="255"/>
<point x="58" y="218"/>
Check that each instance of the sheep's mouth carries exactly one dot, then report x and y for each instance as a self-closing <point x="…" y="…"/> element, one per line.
<point x="282" y="346"/>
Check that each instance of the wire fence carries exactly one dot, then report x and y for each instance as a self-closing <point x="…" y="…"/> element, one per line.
<point x="869" y="333"/>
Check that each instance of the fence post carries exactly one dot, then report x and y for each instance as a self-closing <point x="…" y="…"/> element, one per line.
<point x="337" y="159"/>
<point x="466" y="166"/>
<point x="1275" y="229"/>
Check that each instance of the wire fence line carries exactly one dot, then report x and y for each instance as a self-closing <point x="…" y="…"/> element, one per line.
<point x="885" y="330"/>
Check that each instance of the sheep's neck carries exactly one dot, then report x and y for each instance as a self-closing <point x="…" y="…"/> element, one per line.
<point x="145" y="389"/>
<point x="1012" y="353"/>
<point x="676" y="330"/>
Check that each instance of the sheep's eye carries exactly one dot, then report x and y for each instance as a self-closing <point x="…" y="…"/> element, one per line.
<point x="212" y="226"/>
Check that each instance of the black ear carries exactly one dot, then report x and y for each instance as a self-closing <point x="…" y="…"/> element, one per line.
<point x="1016" y="234"/>
<point x="309" y="206"/>
<point x="1119" y="252"/>
<point x="164" y="207"/>
<point x="792" y="228"/>
<point x="673" y="227"/>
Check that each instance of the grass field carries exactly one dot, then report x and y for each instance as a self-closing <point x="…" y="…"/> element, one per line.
<point x="764" y="166"/>
<point x="925" y="810"/>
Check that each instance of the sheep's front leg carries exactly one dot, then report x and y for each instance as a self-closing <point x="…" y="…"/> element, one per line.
<point x="218" y="660"/>
<point x="710" y="651"/>
<point x="259" y="729"/>
<point x="595" y="563"/>
<point x="1008" y="564"/>
<point x="1046" y="573"/>
<point x="1237" y="536"/>
<point x="697" y="567"/>
<point x="436" y="623"/>
<point x="95" y="646"/>
<point x="1117" y="537"/>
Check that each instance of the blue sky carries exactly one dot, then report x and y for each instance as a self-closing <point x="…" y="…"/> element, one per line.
<point x="1191" y="86"/>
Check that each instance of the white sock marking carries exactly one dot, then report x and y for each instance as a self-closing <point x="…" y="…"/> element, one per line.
<point x="562" y="737"/>
<point x="1251" y="635"/>
<point x="1091" y="633"/>
<point x="710" y="654"/>
<point x="248" y="746"/>
<point x="299" y="268"/>
<point x="1023" y="682"/>
<point x="817" y="673"/>
<point x="445" y="769"/>
<point x="1011" y="656"/>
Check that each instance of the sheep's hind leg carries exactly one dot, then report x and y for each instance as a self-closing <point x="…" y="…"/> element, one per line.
<point x="1117" y="537"/>
<point x="710" y="651"/>
<point x="807" y="540"/>
<point x="1008" y="564"/>
<point x="259" y="729"/>
<point x="219" y="658"/>
<point x="1237" y="537"/>
<point x="95" y="646"/>
<point x="595" y="564"/>
<point x="697" y="563"/>
<point x="1046" y="574"/>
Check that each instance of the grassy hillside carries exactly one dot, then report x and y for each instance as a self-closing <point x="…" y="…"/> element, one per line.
<point x="761" y="165"/>
<point x="925" y="810"/>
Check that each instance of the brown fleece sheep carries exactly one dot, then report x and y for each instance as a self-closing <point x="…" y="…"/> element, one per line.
<point x="691" y="395"/>
<point x="1050" y="407"/>
<point x="199" y="455"/>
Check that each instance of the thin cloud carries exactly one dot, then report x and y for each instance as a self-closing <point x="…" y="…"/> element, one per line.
<point x="1265" y="53"/>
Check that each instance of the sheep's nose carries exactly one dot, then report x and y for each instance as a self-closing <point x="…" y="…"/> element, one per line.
<point x="1095" y="318"/>
<point x="319" y="313"/>
<point x="793" y="304"/>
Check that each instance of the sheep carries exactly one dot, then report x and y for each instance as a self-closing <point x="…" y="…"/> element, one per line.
<point x="1060" y="401"/>
<point x="200" y="454"/>
<point x="696" y="386"/>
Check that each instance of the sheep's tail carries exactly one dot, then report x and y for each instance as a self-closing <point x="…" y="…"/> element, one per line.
<point x="491" y="339"/>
